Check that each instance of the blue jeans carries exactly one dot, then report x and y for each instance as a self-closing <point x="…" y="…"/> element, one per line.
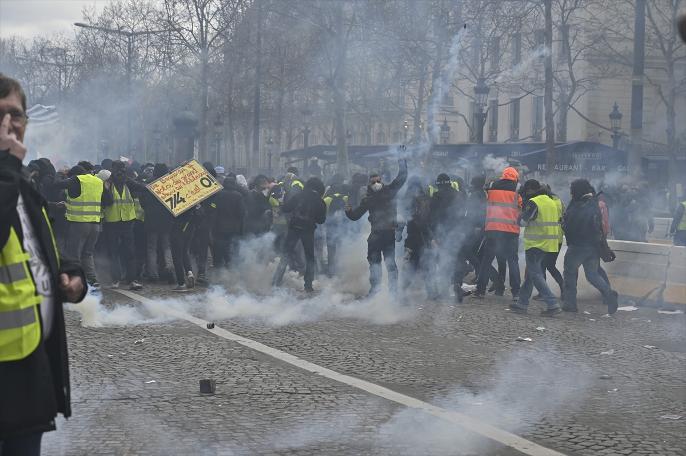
<point x="590" y="259"/>
<point x="533" y="276"/>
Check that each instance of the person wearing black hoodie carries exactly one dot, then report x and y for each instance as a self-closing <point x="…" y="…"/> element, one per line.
<point x="583" y="229"/>
<point x="158" y="221"/>
<point x="228" y="223"/>
<point x="380" y="202"/>
<point x="307" y="210"/>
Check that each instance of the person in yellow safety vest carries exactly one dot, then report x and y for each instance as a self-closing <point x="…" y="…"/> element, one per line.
<point x="678" y="227"/>
<point x="118" y="229"/>
<point x="550" y="260"/>
<point x="291" y="184"/>
<point x="34" y="283"/>
<point x="335" y="201"/>
<point x="85" y="199"/>
<point x="541" y="217"/>
<point x="455" y="185"/>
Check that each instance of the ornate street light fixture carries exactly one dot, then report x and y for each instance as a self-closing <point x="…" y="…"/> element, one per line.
<point x="480" y="97"/>
<point x="445" y="131"/>
<point x="616" y="125"/>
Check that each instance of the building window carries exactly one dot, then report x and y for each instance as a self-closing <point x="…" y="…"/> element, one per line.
<point x="493" y="120"/>
<point x="516" y="49"/>
<point x="449" y="100"/>
<point x="494" y="51"/>
<point x="537" y="118"/>
<point x="514" y="119"/>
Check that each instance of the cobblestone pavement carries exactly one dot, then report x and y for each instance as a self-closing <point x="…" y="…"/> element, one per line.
<point x="559" y="390"/>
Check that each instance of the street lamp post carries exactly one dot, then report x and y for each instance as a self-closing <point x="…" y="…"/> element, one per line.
<point x="307" y="113"/>
<point x="481" y="97"/>
<point x="270" y="152"/>
<point x="218" y="130"/>
<point x="616" y="125"/>
<point x="445" y="131"/>
<point x="130" y="36"/>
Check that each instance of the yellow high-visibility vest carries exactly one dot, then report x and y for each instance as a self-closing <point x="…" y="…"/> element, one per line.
<point x="122" y="209"/>
<point x="140" y="213"/>
<point x="20" y="328"/>
<point x="560" y="211"/>
<point x="682" y="223"/>
<point x="542" y="233"/>
<point x="328" y="199"/>
<point x="87" y="206"/>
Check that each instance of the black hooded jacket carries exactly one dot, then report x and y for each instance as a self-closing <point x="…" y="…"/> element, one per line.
<point x="34" y="389"/>
<point x="382" y="207"/>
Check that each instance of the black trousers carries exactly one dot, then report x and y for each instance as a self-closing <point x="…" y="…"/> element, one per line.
<point x="306" y="238"/>
<point x="382" y="243"/>
<point x="25" y="445"/>
<point x="120" y="243"/>
<point x="180" y="239"/>
<point x="505" y="246"/>
<point x="224" y="249"/>
<point x="201" y="238"/>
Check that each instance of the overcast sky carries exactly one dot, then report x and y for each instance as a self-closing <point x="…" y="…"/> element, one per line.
<point x="28" y="18"/>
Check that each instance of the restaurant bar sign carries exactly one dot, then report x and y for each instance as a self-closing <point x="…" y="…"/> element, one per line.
<point x="184" y="187"/>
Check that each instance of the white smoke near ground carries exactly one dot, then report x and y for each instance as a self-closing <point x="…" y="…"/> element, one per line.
<point x="246" y="294"/>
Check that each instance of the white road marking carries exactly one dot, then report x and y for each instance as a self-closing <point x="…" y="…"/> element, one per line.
<point x="472" y="424"/>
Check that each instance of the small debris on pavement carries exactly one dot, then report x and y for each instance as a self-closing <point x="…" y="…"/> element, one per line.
<point x="613" y="390"/>
<point x="207" y="386"/>
<point x="605" y="316"/>
<point x="671" y="417"/>
<point x="591" y="319"/>
<point x="110" y="356"/>
<point x="540" y="328"/>
<point x="670" y="312"/>
<point x="524" y="339"/>
<point x="586" y="312"/>
<point x="609" y="352"/>
<point x="139" y="341"/>
<point x="605" y="377"/>
<point x="151" y="381"/>
<point x="649" y="346"/>
<point x="627" y="308"/>
<point x="210" y="325"/>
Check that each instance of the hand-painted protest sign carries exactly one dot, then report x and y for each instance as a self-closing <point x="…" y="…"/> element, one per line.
<point x="184" y="187"/>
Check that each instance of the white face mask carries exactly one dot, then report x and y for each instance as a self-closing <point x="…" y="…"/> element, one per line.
<point x="376" y="186"/>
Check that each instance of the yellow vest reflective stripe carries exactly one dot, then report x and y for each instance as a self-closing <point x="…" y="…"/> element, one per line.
<point x="560" y="211"/>
<point x="87" y="207"/>
<point x="455" y="185"/>
<point x="542" y="233"/>
<point x="432" y="190"/>
<point x="273" y="202"/>
<point x="20" y="331"/>
<point x="140" y="213"/>
<point x="297" y="183"/>
<point x="122" y="208"/>
<point x="682" y="223"/>
<point x="328" y="199"/>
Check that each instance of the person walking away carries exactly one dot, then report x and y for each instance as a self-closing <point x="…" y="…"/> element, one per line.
<point x="158" y="222"/>
<point x="118" y="229"/>
<point x="448" y="225"/>
<point x="678" y="227"/>
<point x="335" y="201"/>
<point x="85" y="199"/>
<point x="228" y="223"/>
<point x="381" y="205"/>
<point x="307" y="210"/>
<point x="503" y="207"/>
<point x="582" y="225"/>
<point x="34" y="283"/>
<point x="541" y="236"/>
<point x="419" y="236"/>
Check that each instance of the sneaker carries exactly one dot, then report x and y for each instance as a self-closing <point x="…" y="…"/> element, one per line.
<point x="478" y="295"/>
<point x="135" y="285"/>
<point x="573" y="309"/>
<point x="95" y="286"/>
<point x="499" y="291"/>
<point x="309" y="289"/>
<point x="550" y="312"/>
<point x="538" y="297"/>
<point x="190" y="279"/>
<point x="612" y="302"/>
<point x="114" y="285"/>
<point x="180" y="288"/>
<point x="201" y="281"/>
<point x="517" y="309"/>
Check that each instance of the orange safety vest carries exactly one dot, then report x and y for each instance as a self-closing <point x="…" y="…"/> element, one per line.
<point x="502" y="211"/>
